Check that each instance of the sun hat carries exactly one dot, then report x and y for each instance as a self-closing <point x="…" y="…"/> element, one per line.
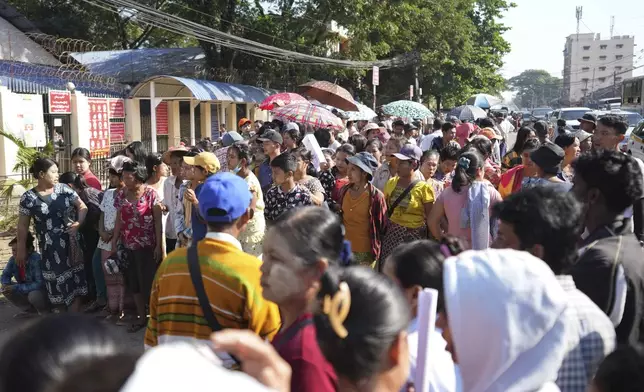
<point x="207" y="160"/>
<point x="117" y="162"/>
<point x="409" y="151"/>
<point x="582" y="135"/>
<point x="490" y="134"/>
<point x="589" y="118"/>
<point x="365" y="161"/>
<point x="166" y="155"/>
<point x="223" y="198"/>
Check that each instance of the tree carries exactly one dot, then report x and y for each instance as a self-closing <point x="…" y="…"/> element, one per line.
<point x="536" y="88"/>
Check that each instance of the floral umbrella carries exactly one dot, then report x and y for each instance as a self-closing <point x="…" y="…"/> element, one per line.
<point x="281" y="99"/>
<point x="409" y="109"/>
<point x="467" y="113"/>
<point x="364" y="113"/>
<point x="308" y="114"/>
<point x="329" y="94"/>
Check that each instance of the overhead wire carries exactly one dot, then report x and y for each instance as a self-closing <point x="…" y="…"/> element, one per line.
<point x="173" y="23"/>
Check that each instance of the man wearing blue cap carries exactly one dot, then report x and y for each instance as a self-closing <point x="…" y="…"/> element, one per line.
<point x="231" y="278"/>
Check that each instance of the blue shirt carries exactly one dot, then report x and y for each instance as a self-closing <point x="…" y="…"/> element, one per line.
<point x="265" y="175"/>
<point x="199" y="228"/>
<point x="33" y="274"/>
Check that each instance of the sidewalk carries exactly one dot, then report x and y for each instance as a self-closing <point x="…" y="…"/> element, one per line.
<point x="8" y="324"/>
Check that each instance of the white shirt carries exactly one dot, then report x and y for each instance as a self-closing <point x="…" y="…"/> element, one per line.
<point x="445" y="375"/>
<point x="171" y="198"/>
<point x="426" y="140"/>
<point x="506" y="127"/>
<point x="335" y="145"/>
<point x="109" y="216"/>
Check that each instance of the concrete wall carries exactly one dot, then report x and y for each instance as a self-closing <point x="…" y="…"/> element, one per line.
<point x="16" y="46"/>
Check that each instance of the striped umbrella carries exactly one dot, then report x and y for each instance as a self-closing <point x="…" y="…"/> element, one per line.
<point x="408" y="109"/>
<point x="281" y="99"/>
<point x="467" y="113"/>
<point x="308" y="114"/>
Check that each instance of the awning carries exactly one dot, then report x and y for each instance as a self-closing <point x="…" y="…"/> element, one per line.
<point x="175" y="87"/>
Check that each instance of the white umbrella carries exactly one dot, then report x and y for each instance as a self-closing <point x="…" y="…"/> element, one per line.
<point x="364" y="113"/>
<point x="484" y="101"/>
<point x="467" y="113"/>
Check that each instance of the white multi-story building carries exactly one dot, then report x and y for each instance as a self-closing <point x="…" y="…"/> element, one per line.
<point x="592" y="63"/>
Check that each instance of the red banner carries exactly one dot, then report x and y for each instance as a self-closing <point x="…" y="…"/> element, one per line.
<point x="117" y="108"/>
<point x="60" y="102"/>
<point x="117" y="132"/>
<point x="99" y="139"/>
<point x="162" y="118"/>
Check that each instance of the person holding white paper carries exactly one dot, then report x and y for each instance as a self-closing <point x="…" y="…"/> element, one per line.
<point x="415" y="266"/>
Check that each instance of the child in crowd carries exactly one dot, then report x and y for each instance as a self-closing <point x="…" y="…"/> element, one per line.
<point x="285" y="193"/>
<point x="23" y="285"/>
<point x="621" y="371"/>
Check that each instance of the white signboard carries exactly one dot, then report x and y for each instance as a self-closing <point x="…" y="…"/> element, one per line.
<point x="30" y="124"/>
<point x="376" y="76"/>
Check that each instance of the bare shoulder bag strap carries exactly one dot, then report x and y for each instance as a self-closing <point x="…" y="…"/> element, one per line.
<point x="390" y="210"/>
<point x="197" y="282"/>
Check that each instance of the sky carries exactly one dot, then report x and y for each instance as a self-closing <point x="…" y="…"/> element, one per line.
<point x="539" y="29"/>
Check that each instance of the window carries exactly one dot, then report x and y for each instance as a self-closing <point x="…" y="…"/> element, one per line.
<point x="602" y="57"/>
<point x="602" y="68"/>
<point x="586" y="58"/>
<point x="619" y="57"/>
<point x="586" y="47"/>
<point x="618" y="68"/>
<point x="602" y="80"/>
<point x="619" y="46"/>
<point x="585" y="69"/>
<point x="603" y="47"/>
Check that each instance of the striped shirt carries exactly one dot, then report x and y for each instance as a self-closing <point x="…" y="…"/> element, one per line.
<point x="231" y="280"/>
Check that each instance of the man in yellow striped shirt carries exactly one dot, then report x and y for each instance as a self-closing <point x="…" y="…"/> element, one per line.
<point x="231" y="277"/>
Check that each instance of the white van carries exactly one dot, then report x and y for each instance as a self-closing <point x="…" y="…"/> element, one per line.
<point x="571" y="115"/>
<point x="636" y="142"/>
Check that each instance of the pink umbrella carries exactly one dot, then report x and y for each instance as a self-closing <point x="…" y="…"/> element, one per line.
<point x="281" y="99"/>
<point x="307" y="114"/>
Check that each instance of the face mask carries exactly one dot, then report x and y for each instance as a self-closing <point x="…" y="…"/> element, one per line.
<point x="237" y="169"/>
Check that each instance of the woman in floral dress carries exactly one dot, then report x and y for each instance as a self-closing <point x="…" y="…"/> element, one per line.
<point x="303" y="159"/>
<point x="252" y="238"/>
<point x="57" y="212"/>
<point x="139" y="229"/>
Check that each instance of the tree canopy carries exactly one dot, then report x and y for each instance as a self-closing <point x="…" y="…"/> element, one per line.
<point x="536" y="88"/>
<point x="458" y="44"/>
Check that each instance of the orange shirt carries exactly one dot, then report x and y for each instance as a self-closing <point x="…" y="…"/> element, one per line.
<point x="355" y="213"/>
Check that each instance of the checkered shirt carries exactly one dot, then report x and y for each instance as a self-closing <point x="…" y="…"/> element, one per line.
<point x="592" y="339"/>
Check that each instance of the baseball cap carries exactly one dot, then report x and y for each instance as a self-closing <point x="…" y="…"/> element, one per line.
<point x="582" y="135"/>
<point x="548" y="156"/>
<point x="207" y="160"/>
<point x="243" y="122"/>
<point x="398" y="123"/>
<point x="166" y="155"/>
<point x="365" y="161"/>
<point x="230" y="138"/>
<point x="271" y="136"/>
<point x="588" y="117"/>
<point x="409" y="151"/>
<point x="410" y="126"/>
<point x="490" y="134"/>
<point x="223" y="198"/>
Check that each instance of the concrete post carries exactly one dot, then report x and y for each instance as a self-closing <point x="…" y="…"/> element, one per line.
<point x="204" y="119"/>
<point x="80" y="121"/>
<point x="174" y="124"/>
<point x="132" y="120"/>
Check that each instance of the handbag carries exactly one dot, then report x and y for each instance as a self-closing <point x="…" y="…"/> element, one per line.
<point x="204" y="302"/>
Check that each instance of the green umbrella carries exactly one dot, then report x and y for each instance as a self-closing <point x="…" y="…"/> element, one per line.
<point x="409" y="109"/>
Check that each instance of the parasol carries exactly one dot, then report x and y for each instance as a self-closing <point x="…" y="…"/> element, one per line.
<point x="409" y="109"/>
<point x="484" y="101"/>
<point x="467" y="113"/>
<point x="364" y="113"/>
<point x="281" y="99"/>
<point x="329" y="94"/>
<point x="308" y="114"/>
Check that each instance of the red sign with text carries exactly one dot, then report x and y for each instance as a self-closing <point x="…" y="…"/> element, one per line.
<point x="162" y="118"/>
<point x="99" y="139"/>
<point x="60" y="102"/>
<point x="117" y="108"/>
<point x="117" y="132"/>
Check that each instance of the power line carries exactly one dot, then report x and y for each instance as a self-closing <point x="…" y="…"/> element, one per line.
<point x="176" y="24"/>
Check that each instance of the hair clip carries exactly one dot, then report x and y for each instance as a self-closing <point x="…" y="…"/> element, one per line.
<point x="337" y="309"/>
<point x="464" y="163"/>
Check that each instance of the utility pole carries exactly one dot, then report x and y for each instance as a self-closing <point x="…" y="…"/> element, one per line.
<point x="614" y="83"/>
<point x="578" y="14"/>
<point x="612" y="26"/>
<point x="416" y="82"/>
<point x="592" y="88"/>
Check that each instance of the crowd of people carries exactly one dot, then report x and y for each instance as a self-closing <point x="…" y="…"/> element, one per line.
<point x="292" y="259"/>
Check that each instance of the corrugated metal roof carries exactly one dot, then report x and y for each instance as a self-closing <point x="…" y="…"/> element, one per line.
<point x="135" y="65"/>
<point x="204" y="90"/>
